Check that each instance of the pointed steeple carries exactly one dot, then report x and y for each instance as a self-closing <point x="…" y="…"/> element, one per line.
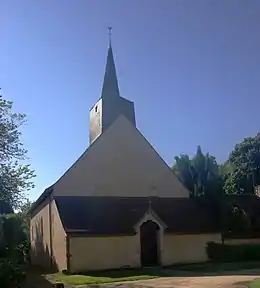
<point x="110" y="87"/>
<point x="111" y="105"/>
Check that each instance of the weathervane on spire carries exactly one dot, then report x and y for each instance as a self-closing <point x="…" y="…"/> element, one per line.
<point x="109" y="34"/>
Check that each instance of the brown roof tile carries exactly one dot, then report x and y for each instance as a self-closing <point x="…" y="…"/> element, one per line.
<point x="116" y="215"/>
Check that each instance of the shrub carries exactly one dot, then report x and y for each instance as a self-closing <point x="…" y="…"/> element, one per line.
<point x="14" y="239"/>
<point x="14" y="243"/>
<point x="11" y="274"/>
<point x="231" y="253"/>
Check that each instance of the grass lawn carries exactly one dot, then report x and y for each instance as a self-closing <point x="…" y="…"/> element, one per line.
<point x="255" y="284"/>
<point x="109" y="276"/>
<point x="143" y="274"/>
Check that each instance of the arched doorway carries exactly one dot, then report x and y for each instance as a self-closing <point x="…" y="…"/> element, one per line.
<point x="149" y="236"/>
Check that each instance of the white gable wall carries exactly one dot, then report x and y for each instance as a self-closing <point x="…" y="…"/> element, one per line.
<point x="120" y="163"/>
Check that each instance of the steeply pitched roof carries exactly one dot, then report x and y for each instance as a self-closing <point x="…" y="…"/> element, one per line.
<point x="115" y="215"/>
<point x="5" y="208"/>
<point x="110" y="87"/>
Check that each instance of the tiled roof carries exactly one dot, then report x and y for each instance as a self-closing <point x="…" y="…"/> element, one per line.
<point x="46" y="193"/>
<point x="251" y="205"/>
<point x="116" y="215"/>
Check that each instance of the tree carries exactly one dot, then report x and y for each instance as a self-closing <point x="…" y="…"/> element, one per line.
<point x="15" y="176"/>
<point x="25" y="207"/>
<point x="245" y="162"/>
<point x="202" y="177"/>
<point x="14" y="248"/>
<point x="237" y="221"/>
<point x="201" y="174"/>
<point x="24" y="215"/>
<point x="5" y="208"/>
<point x="184" y="171"/>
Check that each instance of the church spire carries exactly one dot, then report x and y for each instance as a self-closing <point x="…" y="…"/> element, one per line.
<point x="110" y="106"/>
<point x="109" y="35"/>
<point x="110" y="85"/>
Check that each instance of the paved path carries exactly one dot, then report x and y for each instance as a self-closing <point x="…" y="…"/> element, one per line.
<point x="223" y="281"/>
<point x="196" y="282"/>
<point x="235" y="280"/>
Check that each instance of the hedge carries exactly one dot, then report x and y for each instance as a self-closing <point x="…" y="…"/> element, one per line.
<point x="232" y="253"/>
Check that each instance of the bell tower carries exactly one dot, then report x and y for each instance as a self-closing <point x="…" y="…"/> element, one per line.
<point x="110" y="105"/>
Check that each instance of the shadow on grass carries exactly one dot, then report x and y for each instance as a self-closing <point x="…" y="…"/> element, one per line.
<point x="214" y="268"/>
<point x="36" y="277"/>
<point x="113" y="276"/>
<point x="191" y="270"/>
<point x="200" y="269"/>
<point x="250" y="284"/>
<point x="125" y="273"/>
<point x="41" y="279"/>
<point x="232" y="268"/>
<point x="242" y="284"/>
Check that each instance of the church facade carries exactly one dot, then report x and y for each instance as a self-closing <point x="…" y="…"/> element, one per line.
<point x="119" y="205"/>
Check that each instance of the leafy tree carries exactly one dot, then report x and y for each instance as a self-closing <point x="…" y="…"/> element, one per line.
<point x="14" y="240"/>
<point x="237" y="221"/>
<point x="15" y="176"/>
<point x="238" y="175"/>
<point x="25" y="207"/>
<point x="245" y="162"/>
<point x="201" y="174"/>
<point x="202" y="177"/>
<point x="184" y="171"/>
<point x="5" y="208"/>
<point x="24" y="216"/>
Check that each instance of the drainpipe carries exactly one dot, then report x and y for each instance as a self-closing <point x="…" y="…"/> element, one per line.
<point x="50" y="226"/>
<point x="68" y="252"/>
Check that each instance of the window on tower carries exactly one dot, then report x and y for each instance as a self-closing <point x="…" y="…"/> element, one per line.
<point x="96" y="108"/>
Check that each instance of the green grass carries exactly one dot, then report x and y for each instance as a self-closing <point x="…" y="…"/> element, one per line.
<point x="109" y="276"/>
<point x="217" y="266"/>
<point x="254" y="284"/>
<point x="143" y="274"/>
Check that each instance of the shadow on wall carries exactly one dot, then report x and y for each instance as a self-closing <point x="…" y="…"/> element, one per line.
<point x="40" y="252"/>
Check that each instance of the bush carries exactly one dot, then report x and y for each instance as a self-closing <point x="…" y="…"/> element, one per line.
<point x="232" y="253"/>
<point x="11" y="274"/>
<point x="14" y="244"/>
<point x="14" y="239"/>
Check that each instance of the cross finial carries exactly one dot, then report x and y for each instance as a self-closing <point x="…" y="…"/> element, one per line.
<point x="109" y="34"/>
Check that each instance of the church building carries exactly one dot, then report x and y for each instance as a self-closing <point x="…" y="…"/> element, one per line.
<point x="119" y="205"/>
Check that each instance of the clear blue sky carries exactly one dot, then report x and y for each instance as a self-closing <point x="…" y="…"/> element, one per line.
<point x="191" y="67"/>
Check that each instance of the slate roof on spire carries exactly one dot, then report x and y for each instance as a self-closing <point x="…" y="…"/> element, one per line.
<point x="110" y="87"/>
